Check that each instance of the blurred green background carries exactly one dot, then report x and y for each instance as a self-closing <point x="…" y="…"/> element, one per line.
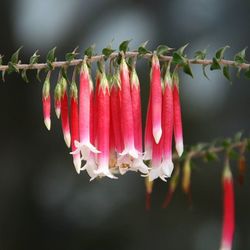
<point x="44" y="203"/>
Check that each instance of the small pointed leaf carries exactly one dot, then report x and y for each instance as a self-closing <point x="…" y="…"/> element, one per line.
<point x="71" y="55"/>
<point x="124" y="46"/>
<point x="89" y="52"/>
<point x="240" y="57"/>
<point x="200" y="54"/>
<point x="34" y="58"/>
<point x="220" y="53"/>
<point x="38" y="75"/>
<point x="187" y="69"/>
<point x="107" y="52"/>
<point x="162" y="50"/>
<point x="177" y="58"/>
<point x="204" y="71"/>
<point x="24" y="75"/>
<point x="181" y="49"/>
<point x="226" y="72"/>
<point x="15" y="56"/>
<point x="51" y="55"/>
<point x="215" y="65"/>
<point x="247" y="73"/>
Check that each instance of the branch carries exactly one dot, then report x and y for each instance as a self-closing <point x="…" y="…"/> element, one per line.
<point x="129" y="54"/>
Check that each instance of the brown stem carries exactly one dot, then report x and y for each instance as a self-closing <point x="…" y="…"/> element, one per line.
<point x="75" y="62"/>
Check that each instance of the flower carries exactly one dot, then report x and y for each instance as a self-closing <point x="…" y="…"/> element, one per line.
<point x="65" y="113"/>
<point x="74" y="125"/>
<point x="57" y="99"/>
<point x="46" y="102"/>
<point x="228" y="209"/>
<point x="177" y="116"/>
<point x="86" y="88"/>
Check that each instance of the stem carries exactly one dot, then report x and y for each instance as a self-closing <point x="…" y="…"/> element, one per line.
<point x="75" y="62"/>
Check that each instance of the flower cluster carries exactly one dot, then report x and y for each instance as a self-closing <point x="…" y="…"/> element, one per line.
<point x="104" y="128"/>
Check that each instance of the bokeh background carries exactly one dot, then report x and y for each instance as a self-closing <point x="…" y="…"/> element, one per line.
<point x="44" y="203"/>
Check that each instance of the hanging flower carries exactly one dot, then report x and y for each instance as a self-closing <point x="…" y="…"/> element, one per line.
<point x="177" y="116"/>
<point x="46" y="101"/>
<point x="74" y="124"/>
<point x="127" y="126"/>
<point x="103" y="129"/>
<point x="156" y="95"/>
<point x="86" y="89"/>
<point x="167" y="120"/>
<point x="137" y="163"/>
<point x="228" y="210"/>
<point x="57" y="99"/>
<point x="65" y="113"/>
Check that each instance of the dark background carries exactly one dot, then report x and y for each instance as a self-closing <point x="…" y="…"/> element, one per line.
<point x="44" y="203"/>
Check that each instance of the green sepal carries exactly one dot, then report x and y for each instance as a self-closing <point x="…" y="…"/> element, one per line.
<point x="215" y="64"/>
<point x="124" y="46"/>
<point x="89" y="52"/>
<point x="46" y="88"/>
<point x="71" y="55"/>
<point x="220" y="53"/>
<point x="34" y="58"/>
<point x="73" y="90"/>
<point x="107" y="52"/>
<point x="226" y="72"/>
<point x="58" y="91"/>
<point x="24" y="75"/>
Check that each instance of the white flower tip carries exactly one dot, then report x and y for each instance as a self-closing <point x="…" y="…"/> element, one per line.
<point x="104" y="172"/>
<point x="157" y="135"/>
<point x="179" y="148"/>
<point x="47" y="123"/>
<point x="77" y="164"/>
<point x="58" y="112"/>
<point x="167" y="168"/>
<point x="67" y="139"/>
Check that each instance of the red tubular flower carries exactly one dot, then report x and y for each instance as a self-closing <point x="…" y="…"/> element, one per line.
<point x="103" y="129"/>
<point x="57" y="99"/>
<point x="126" y="113"/>
<point x="167" y="117"/>
<point x="115" y="109"/>
<point x="148" y="137"/>
<point x="85" y="119"/>
<point x="156" y="95"/>
<point x="177" y="116"/>
<point x="228" y="210"/>
<point x="138" y="163"/>
<point x="46" y="103"/>
<point x="74" y="125"/>
<point x="65" y="113"/>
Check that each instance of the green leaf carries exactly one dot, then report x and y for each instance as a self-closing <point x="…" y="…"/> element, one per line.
<point x="178" y="59"/>
<point x="187" y="69"/>
<point x="238" y="136"/>
<point x="226" y="72"/>
<point x="90" y="51"/>
<point x="220" y="53"/>
<point x="215" y="65"/>
<point x="161" y="50"/>
<point x="204" y="71"/>
<point x="12" y="68"/>
<point x="233" y="154"/>
<point x="142" y="49"/>
<point x="51" y="55"/>
<point x="124" y="46"/>
<point x="14" y="57"/>
<point x="71" y="55"/>
<point x="34" y="58"/>
<point x="107" y="52"/>
<point x="181" y="49"/>
<point x="3" y="75"/>
<point x="247" y="73"/>
<point x="200" y="54"/>
<point x="1" y="59"/>
<point x="24" y="75"/>
<point x="240" y="57"/>
<point x="38" y="75"/>
<point x="210" y="156"/>
<point x="226" y="143"/>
